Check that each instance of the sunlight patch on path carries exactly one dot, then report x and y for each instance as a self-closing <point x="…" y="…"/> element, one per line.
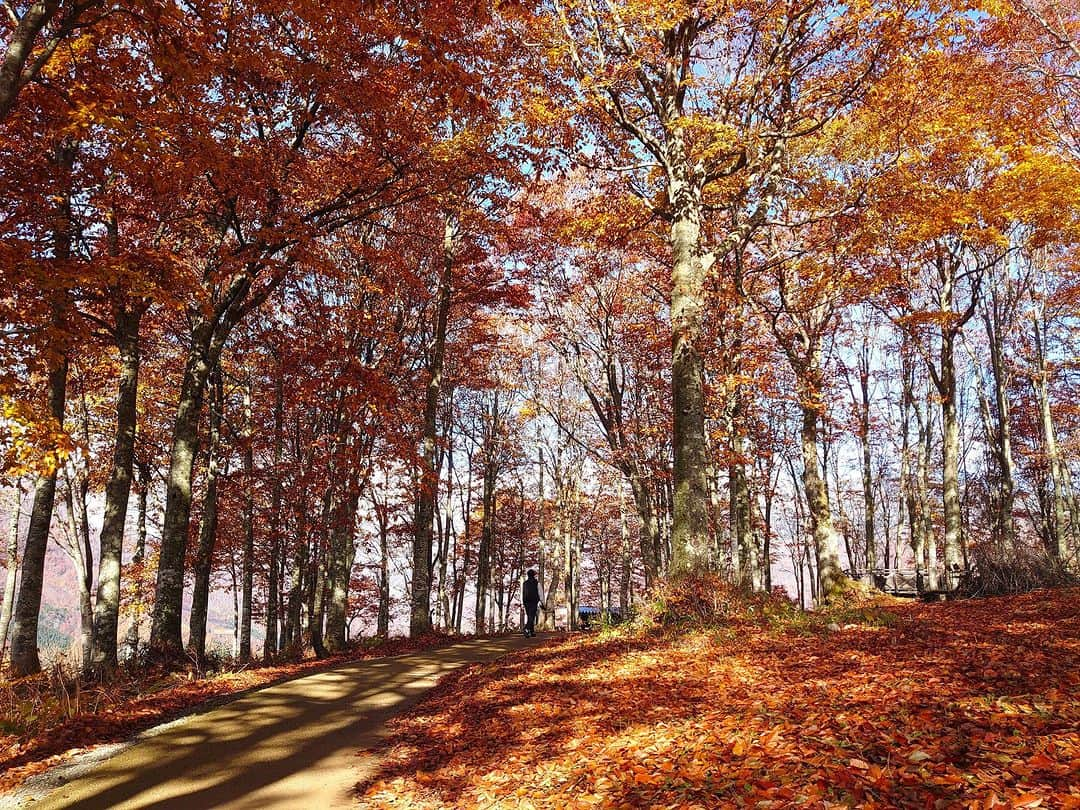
<point x="301" y="743"/>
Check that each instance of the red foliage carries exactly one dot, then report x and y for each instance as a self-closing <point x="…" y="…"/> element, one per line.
<point x="973" y="704"/>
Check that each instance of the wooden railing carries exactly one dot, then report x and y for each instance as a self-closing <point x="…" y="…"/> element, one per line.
<point x="896" y="581"/>
<point x="907" y="581"/>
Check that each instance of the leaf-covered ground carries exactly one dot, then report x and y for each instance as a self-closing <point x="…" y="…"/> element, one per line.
<point x="966" y="704"/>
<point x="114" y="712"/>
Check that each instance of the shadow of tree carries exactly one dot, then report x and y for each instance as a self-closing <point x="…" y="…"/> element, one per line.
<point x="301" y="728"/>
<point x="957" y="703"/>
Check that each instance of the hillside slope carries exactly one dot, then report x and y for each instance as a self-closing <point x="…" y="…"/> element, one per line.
<point x="966" y="704"/>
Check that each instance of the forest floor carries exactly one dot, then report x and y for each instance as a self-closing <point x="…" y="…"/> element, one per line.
<point x="962" y="704"/>
<point x="48" y="719"/>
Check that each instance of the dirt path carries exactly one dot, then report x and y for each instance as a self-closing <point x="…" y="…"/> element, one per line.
<point x="295" y="745"/>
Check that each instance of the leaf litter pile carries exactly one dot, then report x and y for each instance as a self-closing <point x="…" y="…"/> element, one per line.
<point x="968" y="704"/>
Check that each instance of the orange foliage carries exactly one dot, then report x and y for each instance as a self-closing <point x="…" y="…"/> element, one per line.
<point x="973" y="704"/>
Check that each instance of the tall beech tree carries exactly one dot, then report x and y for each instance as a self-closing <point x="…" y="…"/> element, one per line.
<point x="698" y="106"/>
<point x="61" y="235"/>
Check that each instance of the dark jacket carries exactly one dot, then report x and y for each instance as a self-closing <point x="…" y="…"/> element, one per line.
<point x="531" y="592"/>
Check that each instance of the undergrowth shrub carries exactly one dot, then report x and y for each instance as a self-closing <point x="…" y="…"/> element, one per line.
<point x="705" y="600"/>
<point x="31" y="705"/>
<point x="38" y="702"/>
<point x="696" y="599"/>
<point x="999" y="571"/>
<point x="856" y="602"/>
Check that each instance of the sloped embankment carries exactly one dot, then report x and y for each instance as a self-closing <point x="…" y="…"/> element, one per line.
<point x="966" y="704"/>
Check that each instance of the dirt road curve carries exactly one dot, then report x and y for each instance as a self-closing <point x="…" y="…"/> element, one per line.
<point x="294" y="745"/>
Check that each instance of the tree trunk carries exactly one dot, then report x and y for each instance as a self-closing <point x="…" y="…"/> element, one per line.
<point x="885" y="510"/>
<point x="907" y="486"/>
<point x="341" y="571"/>
<point x="235" y="592"/>
<point x="270" y="643"/>
<point x="445" y="542"/>
<point x="922" y="508"/>
<point x="466" y="500"/>
<point x="568" y="573"/>
<point x="247" y="571"/>
<point x="625" y="570"/>
<point x="24" y="650"/>
<point x="280" y="592"/>
<point x="317" y="568"/>
<point x="293" y="615"/>
<point x="826" y="547"/>
<point x="552" y="584"/>
<point x="384" y="575"/>
<point x="337" y="594"/>
<point x="487" y="525"/>
<point x="165" y="638"/>
<point x="690" y="542"/>
<point x="75" y="495"/>
<point x="445" y="532"/>
<point x="749" y="564"/>
<point x="950" y="465"/>
<point x="459" y="607"/>
<point x="317" y="628"/>
<point x="1059" y="496"/>
<point x="117" y="493"/>
<point x="420" y="613"/>
<point x="650" y="528"/>
<point x="768" y="496"/>
<point x="575" y="567"/>
<point x="204" y="553"/>
<point x="131" y="639"/>
<point x="995" y="321"/>
<point x="18" y="68"/>
<point x="867" y="468"/>
<point x="14" y="515"/>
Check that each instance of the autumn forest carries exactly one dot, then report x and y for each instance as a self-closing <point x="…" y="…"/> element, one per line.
<point x="323" y="322"/>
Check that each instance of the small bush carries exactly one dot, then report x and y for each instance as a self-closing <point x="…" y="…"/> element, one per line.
<point x="856" y="602"/>
<point x="1022" y="568"/>
<point x="37" y="702"/>
<point x="697" y="599"/>
<point x="708" y="601"/>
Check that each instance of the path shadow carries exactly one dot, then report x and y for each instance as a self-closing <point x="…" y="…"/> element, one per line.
<point x="220" y="757"/>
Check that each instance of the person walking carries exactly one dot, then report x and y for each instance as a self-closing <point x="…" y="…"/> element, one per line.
<point x="532" y="597"/>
